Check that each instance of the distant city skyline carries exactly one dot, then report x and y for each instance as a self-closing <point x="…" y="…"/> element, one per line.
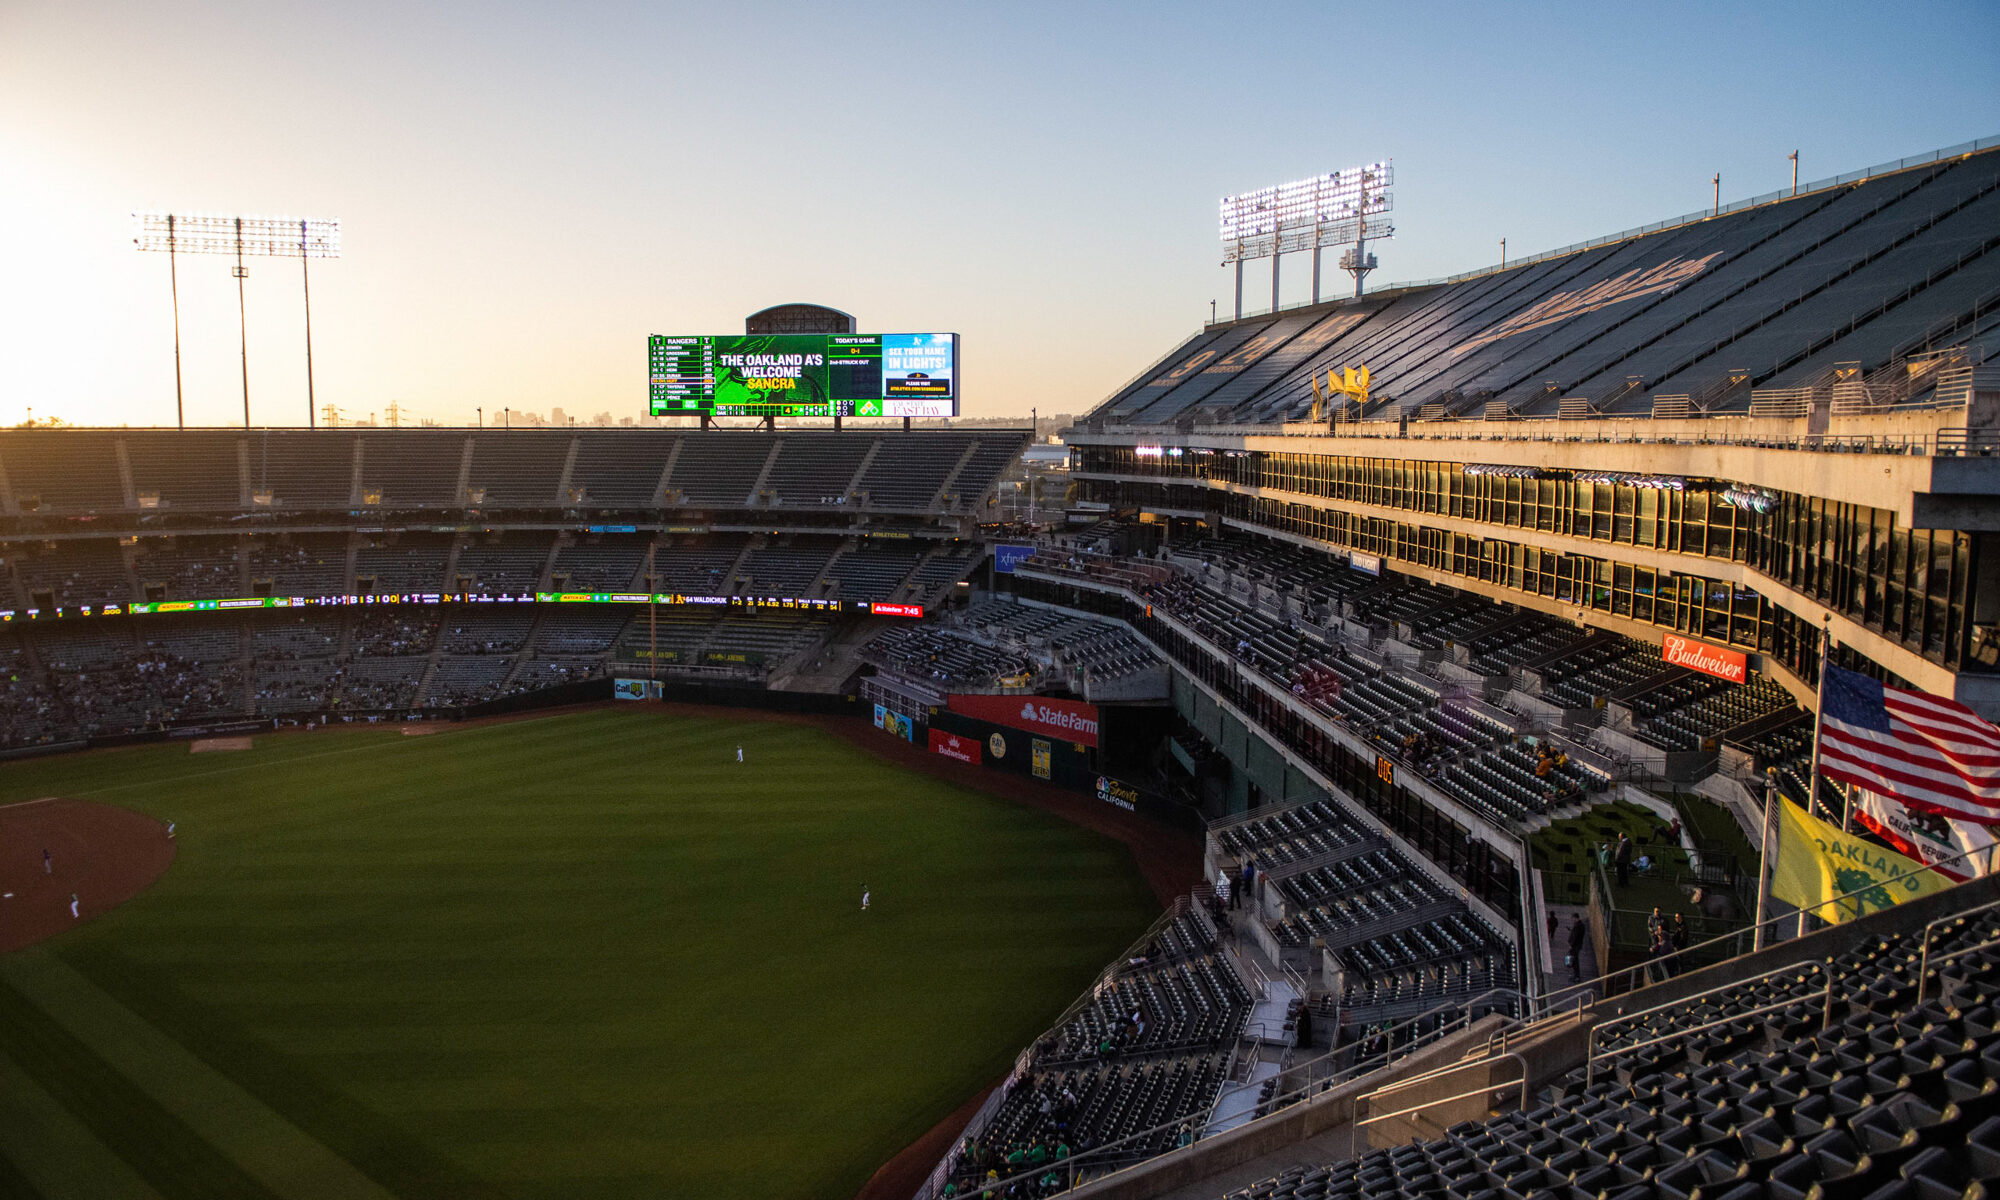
<point x="527" y="191"/>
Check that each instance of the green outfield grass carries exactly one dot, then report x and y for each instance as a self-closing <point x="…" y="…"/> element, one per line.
<point x="586" y="955"/>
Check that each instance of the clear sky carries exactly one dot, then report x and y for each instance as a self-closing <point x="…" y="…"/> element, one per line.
<point x="528" y="190"/>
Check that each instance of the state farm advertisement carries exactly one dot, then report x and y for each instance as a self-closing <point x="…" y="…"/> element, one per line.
<point x="1070" y="720"/>
<point x="952" y="745"/>
<point x="1699" y="656"/>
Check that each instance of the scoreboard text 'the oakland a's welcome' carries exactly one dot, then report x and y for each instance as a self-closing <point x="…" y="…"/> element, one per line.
<point x="804" y="375"/>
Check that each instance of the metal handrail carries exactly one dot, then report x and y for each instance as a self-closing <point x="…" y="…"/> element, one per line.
<point x="1924" y="979"/>
<point x="1491" y="1087"/>
<point x="1591" y="1056"/>
<point x="1924" y="959"/>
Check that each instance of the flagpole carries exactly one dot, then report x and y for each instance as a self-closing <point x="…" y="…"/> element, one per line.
<point x="1767" y="857"/>
<point x="1819" y="725"/>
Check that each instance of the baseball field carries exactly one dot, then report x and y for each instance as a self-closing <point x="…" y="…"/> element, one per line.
<point x="585" y="955"/>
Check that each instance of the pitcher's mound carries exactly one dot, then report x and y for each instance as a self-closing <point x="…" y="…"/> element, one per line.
<point x="228" y="743"/>
<point x="99" y="853"/>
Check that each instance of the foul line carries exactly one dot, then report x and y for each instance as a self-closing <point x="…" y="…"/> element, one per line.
<point x="26" y="803"/>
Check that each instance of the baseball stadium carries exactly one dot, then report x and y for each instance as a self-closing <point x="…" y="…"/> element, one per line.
<point x="1522" y="734"/>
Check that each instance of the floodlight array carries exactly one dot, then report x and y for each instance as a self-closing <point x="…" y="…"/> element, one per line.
<point x="1308" y="203"/>
<point x="223" y="233"/>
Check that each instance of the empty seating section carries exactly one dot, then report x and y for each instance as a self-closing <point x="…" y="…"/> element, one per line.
<point x="406" y="562"/>
<point x="64" y="471"/>
<point x="1371" y="890"/>
<point x="189" y="568"/>
<point x="943" y="568"/>
<point x="1713" y="712"/>
<point x="721" y="472"/>
<point x="909" y="473"/>
<point x="609" y="563"/>
<point x="946" y="657"/>
<point x="1404" y="972"/>
<point x="1002" y="641"/>
<point x="1887" y="1087"/>
<point x="1865" y="272"/>
<point x="616" y="472"/>
<point x="990" y="457"/>
<point x="1508" y="784"/>
<point x="191" y="471"/>
<point x="698" y="566"/>
<point x="874" y="573"/>
<point x="583" y="631"/>
<point x="508" y="564"/>
<point x="1785" y="747"/>
<point x="411" y="468"/>
<point x="306" y="565"/>
<point x="87" y="571"/>
<point x="459" y="681"/>
<point x="1532" y="636"/>
<point x="786" y="570"/>
<point x="521" y="468"/>
<point x="294" y="635"/>
<point x="1296" y="834"/>
<point x="299" y="470"/>
<point x="1597" y="668"/>
<point x="195" y="639"/>
<point x="481" y="630"/>
<point x="1192" y="1005"/>
<point x="764" y="641"/>
<point x="817" y="470"/>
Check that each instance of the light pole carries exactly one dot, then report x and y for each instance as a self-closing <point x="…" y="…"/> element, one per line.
<point x="210" y="233"/>
<point x="479" y="416"/>
<point x="1503" y="254"/>
<point x="1794" y="156"/>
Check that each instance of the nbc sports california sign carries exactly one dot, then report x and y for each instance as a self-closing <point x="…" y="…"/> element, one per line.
<point x="1067" y="720"/>
<point x="1700" y="656"/>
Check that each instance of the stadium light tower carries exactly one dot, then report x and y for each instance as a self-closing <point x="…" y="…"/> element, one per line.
<point x="1327" y="210"/>
<point x="212" y="233"/>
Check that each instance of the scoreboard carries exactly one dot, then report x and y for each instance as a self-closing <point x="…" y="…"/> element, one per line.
<point x="803" y="375"/>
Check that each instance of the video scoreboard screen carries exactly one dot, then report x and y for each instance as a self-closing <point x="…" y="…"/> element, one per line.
<point x="803" y="375"/>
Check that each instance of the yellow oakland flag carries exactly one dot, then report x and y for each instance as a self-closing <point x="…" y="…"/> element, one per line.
<point x="1817" y="862"/>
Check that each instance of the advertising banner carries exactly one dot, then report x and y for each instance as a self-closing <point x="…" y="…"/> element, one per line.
<point x="889" y="721"/>
<point x="1121" y="795"/>
<point x="952" y="745"/>
<point x="1006" y="558"/>
<point x="1367" y="564"/>
<point x="1043" y="753"/>
<point x="1069" y="720"/>
<point x="636" y="689"/>
<point x="1709" y="660"/>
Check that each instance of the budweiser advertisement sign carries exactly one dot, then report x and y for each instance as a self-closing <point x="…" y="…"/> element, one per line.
<point x="1067" y="720"/>
<point x="951" y="745"/>
<point x="1710" y="660"/>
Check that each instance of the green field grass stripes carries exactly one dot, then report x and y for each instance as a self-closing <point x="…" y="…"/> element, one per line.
<point x="582" y="957"/>
<point x="189" y="1100"/>
<point x="47" y="1153"/>
<point x="377" y="1146"/>
<point x="158" y="1146"/>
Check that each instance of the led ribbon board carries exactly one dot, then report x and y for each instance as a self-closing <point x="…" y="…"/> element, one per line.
<point x="669" y="599"/>
<point x="803" y="375"/>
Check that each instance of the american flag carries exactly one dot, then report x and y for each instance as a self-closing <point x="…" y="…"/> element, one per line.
<point x="1933" y="755"/>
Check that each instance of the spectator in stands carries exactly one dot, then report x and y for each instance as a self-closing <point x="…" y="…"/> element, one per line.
<point x="1622" y="856"/>
<point x="1576" y="936"/>
<point x="1223" y="893"/>
<point x="1247" y="877"/>
<point x="1677" y="933"/>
